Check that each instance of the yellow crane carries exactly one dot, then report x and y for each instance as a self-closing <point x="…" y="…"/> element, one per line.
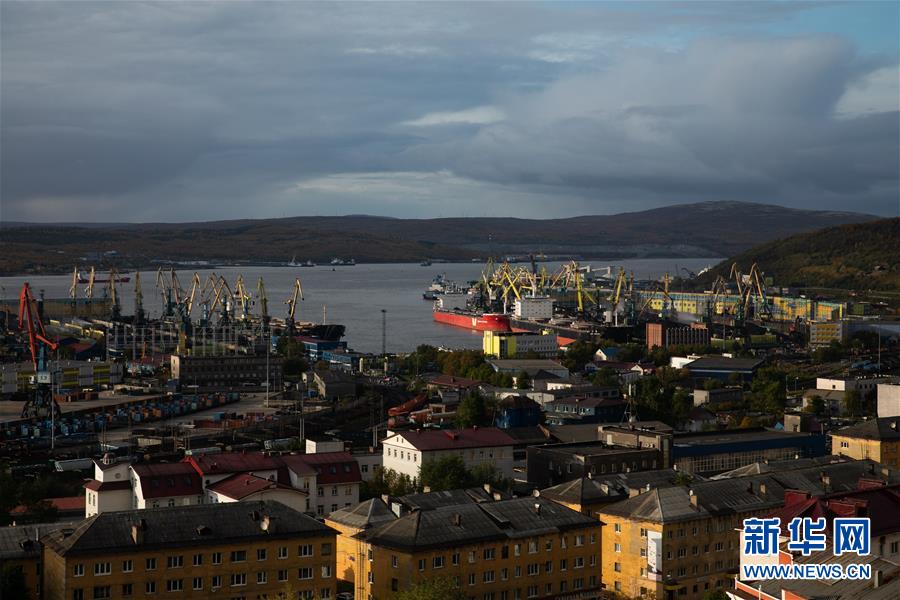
<point x="263" y="300"/>
<point x="73" y="289"/>
<point x="243" y="296"/>
<point x="292" y="303"/>
<point x="89" y="290"/>
<point x="189" y="300"/>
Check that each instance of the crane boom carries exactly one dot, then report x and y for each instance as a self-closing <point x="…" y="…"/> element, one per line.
<point x="43" y="404"/>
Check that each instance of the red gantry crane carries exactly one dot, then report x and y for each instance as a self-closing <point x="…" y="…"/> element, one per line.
<point x="41" y="405"/>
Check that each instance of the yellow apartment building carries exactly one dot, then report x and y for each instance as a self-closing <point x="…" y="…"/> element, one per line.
<point x="20" y="550"/>
<point x="496" y="550"/>
<point x="876" y="439"/>
<point x="680" y="542"/>
<point x="258" y="550"/>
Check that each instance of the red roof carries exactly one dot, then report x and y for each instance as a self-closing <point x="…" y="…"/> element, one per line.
<point x="162" y="480"/>
<point x="446" y="439"/>
<point x="231" y="462"/>
<point x="881" y="503"/>
<point x="329" y="467"/>
<point x="453" y="381"/>
<point x="242" y="485"/>
<point x="107" y="486"/>
<point x="64" y="504"/>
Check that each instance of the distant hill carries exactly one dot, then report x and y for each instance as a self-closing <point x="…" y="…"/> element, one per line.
<point x="861" y="256"/>
<point x="707" y="229"/>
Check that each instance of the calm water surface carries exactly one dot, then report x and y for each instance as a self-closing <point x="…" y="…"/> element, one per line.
<point x="354" y="296"/>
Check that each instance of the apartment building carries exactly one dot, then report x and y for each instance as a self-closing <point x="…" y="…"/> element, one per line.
<point x="406" y="451"/>
<point x="680" y="542"/>
<point x="879" y="503"/>
<point x="315" y="483"/>
<point x="253" y="550"/>
<point x="877" y="439"/>
<point x="501" y="550"/>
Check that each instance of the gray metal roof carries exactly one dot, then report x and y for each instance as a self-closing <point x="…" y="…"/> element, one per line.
<point x="473" y="523"/>
<point x="364" y="515"/>
<point x="21" y="541"/>
<point x="882" y="428"/>
<point x="198" y="525"/>
<point x="741" y="494"/>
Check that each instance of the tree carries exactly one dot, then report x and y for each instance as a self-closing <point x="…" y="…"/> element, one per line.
<point x="715" y="595"/>
<point x="523" y="380"/>
<point x="605" y="377"/>
<point x="440" y="588"/>
<point x="578" y="354"/>
<point x="854" y="403"/>
<point x="817" y="404"/>
<point x="386" y="482"/>
<point x="473" y="411"/>
<point x="447" y="473"/>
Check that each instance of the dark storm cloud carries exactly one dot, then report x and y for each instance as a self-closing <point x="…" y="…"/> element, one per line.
<point x="182" y="111"/>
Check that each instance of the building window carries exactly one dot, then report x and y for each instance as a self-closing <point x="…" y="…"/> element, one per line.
<point x="150" y="564"/>
<point x="617" y="567"/>
<point x="617" y="547"/>
<point x="282" y="575"/>
<point x="421" y="564"/>
<point x="101" y="591"/>
<point x="102" y="568"/>
<point x="198" y="583"/>
<point x="217" y="558"/>
<point x="127" y="566"/>
<point x="78" y="594"/>
<point x="260" y="554"/>
<point x="216" y="582"/>
<point x="150" y="587"/>
<point x="504" y="574"/>
<point x="471" y="578"/>
<point x="238" y="556"/>
<point x="282" y="552"/>
<point x="127" y="589"/>
<point x="533" y="569"/>
<point x="454" y="559"/>
<point x="437" y="562"/>
<point x="488" y="577"/>
<point x="305" y="573"/>
<point x="326" y="571"/>
<point x="618" y="528"/>
<point x="262" y="577"/>
<point x="174" y="585"/>
<point x="471" y="557"/>
<point x="78" y="570"/>
<point x="305" y="550"/>
<point x="563" y="564"/>
<point x="238" y="579"/>
<point x="489" y="553"/>
<point x="198" y="560"/>
<point x="174" y="562"/>
<point x="326" y="549"/>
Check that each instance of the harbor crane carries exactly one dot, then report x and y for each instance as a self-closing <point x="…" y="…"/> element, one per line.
<point x="263" y="301"/>
<point x="292" y="304"/>
<point x="138" y="300"/>
<point x="113" y="294"/>
<point x="89" y="289"/>
<point x="42" y="404"/>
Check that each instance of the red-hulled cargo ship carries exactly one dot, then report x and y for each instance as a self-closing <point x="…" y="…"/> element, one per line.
<point x="471" y="320"/>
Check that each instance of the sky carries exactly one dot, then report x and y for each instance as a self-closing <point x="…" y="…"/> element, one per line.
<point x="192" y="111"/>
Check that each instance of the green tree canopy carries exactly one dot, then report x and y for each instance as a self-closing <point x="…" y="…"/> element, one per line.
<point x="440" y="588"/>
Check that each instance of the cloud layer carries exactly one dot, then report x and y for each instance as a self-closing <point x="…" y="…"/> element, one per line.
<point x="184" y="111"/>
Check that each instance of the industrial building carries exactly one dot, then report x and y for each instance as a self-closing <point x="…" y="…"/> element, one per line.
<point x="551" y="464"/>
<point x="227" y="371"/>
<point x="664" y="335"/>
<point x="497" y="344"/>
<point x="70" y="375"/>
<point x="875" y="439"/>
